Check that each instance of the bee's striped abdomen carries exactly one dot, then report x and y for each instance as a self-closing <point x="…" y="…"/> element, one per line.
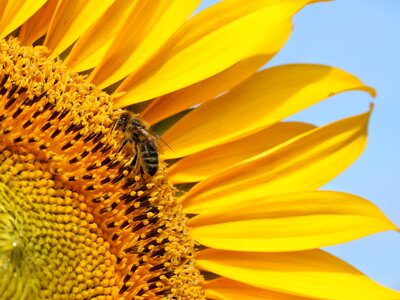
<point x="149" y="156"/>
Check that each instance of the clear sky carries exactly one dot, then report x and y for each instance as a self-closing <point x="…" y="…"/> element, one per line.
<point x="362" y="37"/>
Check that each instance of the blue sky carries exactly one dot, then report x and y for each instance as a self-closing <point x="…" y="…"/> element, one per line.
<point x="362" y="37"/>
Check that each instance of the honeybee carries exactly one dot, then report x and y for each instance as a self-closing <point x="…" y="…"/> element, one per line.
<point x="145" y="142"/>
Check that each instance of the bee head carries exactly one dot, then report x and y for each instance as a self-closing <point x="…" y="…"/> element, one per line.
<point x="123" y="121"/>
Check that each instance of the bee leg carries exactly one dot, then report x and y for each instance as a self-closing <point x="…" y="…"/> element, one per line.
<point x="129" y="165"/>
<point x="137" y="165"/>
<point x="134" y="162"/>
<point x="123" y="144"/>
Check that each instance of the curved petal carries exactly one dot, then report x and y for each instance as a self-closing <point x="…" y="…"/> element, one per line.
<point x="312" y="273"/>
<point x="167" y="105"/>
<point x="71" y="20"/>
<point x="90" y="49"/>
<point x="226" y="289"/>
<point x="267" y="97"/>
<point x="38" y="24"/>
<point x="209" y="43"/>
<point x="199" y="166"/>
<point x="16" y="12"/>
<point x="289" y="222"/>
<point x="303" y="163"/>
<point x="146" y="30"/>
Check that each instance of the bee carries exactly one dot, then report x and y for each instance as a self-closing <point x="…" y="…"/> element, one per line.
<point x="146" y="144"/>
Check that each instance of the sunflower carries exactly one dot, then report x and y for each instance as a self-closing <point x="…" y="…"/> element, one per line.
<point x="226" y="205"/>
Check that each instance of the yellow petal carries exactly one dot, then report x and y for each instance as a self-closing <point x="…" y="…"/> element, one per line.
<point x="38" y="24"/>
<point x="312" y="273"/>
<point x="71" y="20"/>
<point x="204" y="164"/>
<point x="209" y="88"/>
<point x="289" y="222"/>
<point x="209" y="43"/>
<point x="90" y="49"/>
<point x="146" y="30"/>
<point x="226" y="289"/>
<point x="264" y="99"/>
<point x="304" y="163"/>
<point x="16" y="12"/>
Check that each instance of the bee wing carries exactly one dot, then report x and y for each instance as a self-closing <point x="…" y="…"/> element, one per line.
<point x="144" y="129"/>
<point x="159" y="141"/>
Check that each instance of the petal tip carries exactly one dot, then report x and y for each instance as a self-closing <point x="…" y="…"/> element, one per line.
<point x="370" y="90"/>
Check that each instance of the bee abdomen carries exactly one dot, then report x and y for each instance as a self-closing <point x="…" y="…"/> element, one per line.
<point x="150" y="158"/>
<point x="151" y="168"/>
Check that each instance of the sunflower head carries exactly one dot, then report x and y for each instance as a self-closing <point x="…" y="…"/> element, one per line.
<point x="78" y="216"/>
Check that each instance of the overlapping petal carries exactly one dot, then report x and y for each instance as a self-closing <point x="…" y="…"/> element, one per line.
<point x="226" y="289"/>
<point x="70" y="20"/>
<point x="200" y="166"/>
<point x="90" y="49"/>
<point x="303" y="163"/>
<point x="209" y="88"/>
<point x="207" y="44"/>
<point x="146" y="30"/>
<point x="289" y="222"/>
<point x="38" y="24"/>
<point x="15" y="13"/>
<point x="266" y="98"/>
<point x="312" y="273"/>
